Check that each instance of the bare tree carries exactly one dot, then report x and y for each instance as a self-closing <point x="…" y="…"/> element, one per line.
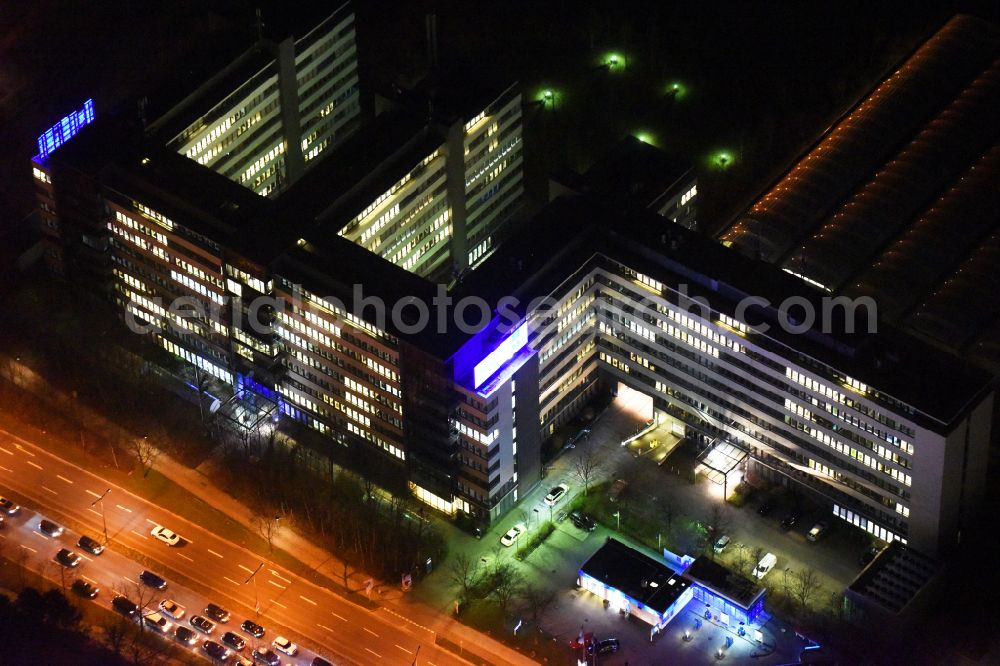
<point x="537" y="600"/>
<point x="116" y="633"/>
<point x="146" y="452"/>
<point x="507" y="582"/>
<point x="464" y="572"/>
<point x="806" y="585"/>
<point x="585" y="467"/>
<point x="266" y="523"/>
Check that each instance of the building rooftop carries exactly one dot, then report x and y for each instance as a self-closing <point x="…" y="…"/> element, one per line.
<point x="895" y="577"/>
<point x="636" y="170"/>
<point x="725" y="582"/>
<point x="638" y="576"/>
<point x="897" y="200"/>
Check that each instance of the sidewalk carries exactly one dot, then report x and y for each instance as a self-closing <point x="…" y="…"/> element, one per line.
<point x="388" y="597"/>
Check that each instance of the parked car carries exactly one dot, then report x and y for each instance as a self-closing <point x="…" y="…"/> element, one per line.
<point x="157" y="622"/>
<point x="765" y="565"/>
<point x="92" y="546"/>
<point x="607" y="646"/>
<point x="215" y="651"/>
<point x="85" y="589"/>
<point x="766" y="507"/>
<point x="583" y="521"/>
<point x="166" y="536"/>
<point x="152" y="580"/>
<point x="252" y="628"/>
<point x="202" y="624"/>
<point x="512" y="534"/>
<point x="618" y="489"/>
<point x="172" y="608"/>
<point x="217" y="613"/>
<point x="282" y="644"/>
<point x="8" y="507"/>
<point x="721" y="543"/>
<point x="185" y="635"/>
<point x="49" y="528"/>
<point x="68" y="558"/>
<point x="234" y="641"/>
<point x="818" y="530"/>
<point x="319" y="661"/>
<point x="124" y="606"/>
<point x="265" y="657"/>
<point x="556" y="494"/>
<point x="789" y="521"/>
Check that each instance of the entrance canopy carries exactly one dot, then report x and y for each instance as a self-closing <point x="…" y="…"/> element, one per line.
<point x="719" y="459"/>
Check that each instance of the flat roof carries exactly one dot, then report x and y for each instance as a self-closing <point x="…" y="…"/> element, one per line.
<point x="895" y="577"/>
<point x="636" y="575"/>
<point x="724" y="581"/>
<point x="637" y="170"/>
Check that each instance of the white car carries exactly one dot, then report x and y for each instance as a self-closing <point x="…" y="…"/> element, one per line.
<point x="512" y="534"/>
<point x="765" y="565"/>
<point x="556" y="494"/>
<point x="172" y="608"/>
<point x="282" y="644"/>
<point x="165" y="535"/>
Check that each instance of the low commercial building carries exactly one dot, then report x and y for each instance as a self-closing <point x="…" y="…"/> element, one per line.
<point x="634" y="583"/>
<point x="732" y="599"/>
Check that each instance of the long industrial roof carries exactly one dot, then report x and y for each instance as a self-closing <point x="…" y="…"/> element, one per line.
<point x="900" y="199"/>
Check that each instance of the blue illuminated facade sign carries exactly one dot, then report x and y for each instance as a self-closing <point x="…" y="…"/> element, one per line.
<point x="64" y="130"/>
<point x="504" y="352"/>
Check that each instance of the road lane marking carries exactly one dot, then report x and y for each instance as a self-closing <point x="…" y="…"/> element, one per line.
<point x="279" y="576"/>
<point x="374" y="652"/>
<point x="185" y="557"/>
<point x="89" y="580"/>
<point x="234" y="582"/>
<point x="6" y="470"/>
<point x="278" y="603"/>
<point x="215" y="553"/>
<point x="247" y="569"/>
<point x="46" y="488"/>
<point x="28" y="548"/>
<point x="339" y="617"/>
<point x="123" y="508"/>
<point x="138" y="533"/>
<point x="34" y="464"/>
<point x="86" y="558"/>
<point x="10" y="453"/>
<point x="404" y="649"/>
<point x="309" y="601"/>
<point x="276" y="585"/>
<point x="94" y="511"/>
<point x="97" y="495"/>
<point x="24" y="450"/>
<point x="323" y="626"/>
<point x="370" y="632"/>
<point x="63" y="478"/>
<point x="41" y="535"/>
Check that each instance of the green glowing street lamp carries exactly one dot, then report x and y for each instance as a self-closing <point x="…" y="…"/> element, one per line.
<point x="615" y="61"/>
<point x="722" y="159"/>
<point x="645" y="137"/>
<point x="677" y="90"/>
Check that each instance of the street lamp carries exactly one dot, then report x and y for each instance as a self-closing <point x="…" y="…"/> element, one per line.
<point x="253" y="577"/>
<point x="104" y="518"/>
<point x="618" y="515"/>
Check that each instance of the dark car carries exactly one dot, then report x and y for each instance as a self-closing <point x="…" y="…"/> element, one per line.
<point x="185" y="635"/>
<point x="583" y="521"/>
<point x="124" y="606"/>
<point x="266" y="657"/>
<point x="234" y="641"/>
<point x="152" y="580"/>
<point x="215" y="651"/>
<point x="252" y="628"/>
<point x="765" y="508"/>
<point x="92" y="546"/>
<point x="217" y="613"/>
<point x="67" y="558"/>
<point x="8" y="507"/>
<point x="607" y="646"/>
<point x="49" y="528"/>
<point x="202" y="624"/>
<point x="319" y="661"/>
<point x="85" y="589"/>
<point x="789" y="521"/>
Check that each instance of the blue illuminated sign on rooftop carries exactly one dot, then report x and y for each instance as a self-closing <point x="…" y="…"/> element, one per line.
<point x="64" y="130"/>
<point x="504" y="352"/>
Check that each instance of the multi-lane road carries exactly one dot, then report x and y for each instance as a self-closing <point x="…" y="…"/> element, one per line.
<point x="201" y="566"/>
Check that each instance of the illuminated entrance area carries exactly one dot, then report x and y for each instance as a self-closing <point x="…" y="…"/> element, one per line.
<point x="723" y="464"/>
<point x="657" y="433"/>
<point x="634" y="403"/>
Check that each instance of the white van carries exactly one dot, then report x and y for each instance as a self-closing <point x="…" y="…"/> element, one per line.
<point x="765" y="565"/>
<point x="158" y="622"/>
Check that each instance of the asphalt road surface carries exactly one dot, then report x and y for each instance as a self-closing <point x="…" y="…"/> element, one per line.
<point x="319" y="621"/>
